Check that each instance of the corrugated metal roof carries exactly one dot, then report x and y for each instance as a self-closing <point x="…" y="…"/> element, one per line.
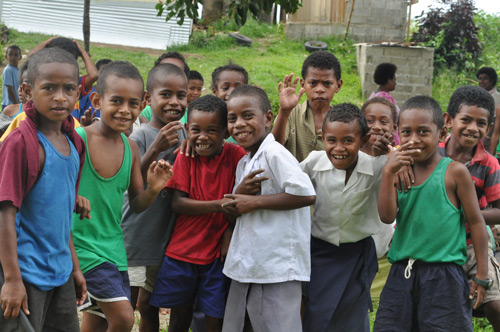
<point x="130" y="23"/>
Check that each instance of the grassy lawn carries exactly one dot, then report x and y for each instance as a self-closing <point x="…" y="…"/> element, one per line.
<point x="270" y="57"/>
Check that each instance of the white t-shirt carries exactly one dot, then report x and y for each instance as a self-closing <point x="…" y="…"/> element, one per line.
<point x="271" y="246"/>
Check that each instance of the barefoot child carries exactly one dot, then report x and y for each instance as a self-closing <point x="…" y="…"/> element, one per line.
<point x="343" y="256"/>
<point x="427" y="288"/>
<point x="146" y="234"/>
<point x="268" y="257"/>
<point x="192" y="267"/>
<point x="40" y="164"/>
<point x="298" y="127"/>
<point x="113" y="166"/>
<point x="470" y="115"/>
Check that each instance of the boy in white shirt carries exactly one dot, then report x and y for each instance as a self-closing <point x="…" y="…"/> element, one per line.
<point x="343" y="255"/>
<point x="268" y="257"/>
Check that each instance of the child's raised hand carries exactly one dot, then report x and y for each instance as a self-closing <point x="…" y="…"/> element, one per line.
<point x="250" y="185"/>
<point x="158" y="175"/>
<point x="88" y="117"/>
<point x="82" y="207"/>
<point x="383" y="144"/>
<point x="289" y="98"/>
<point x="401" y="157"/>
<point x="168" y="136"/>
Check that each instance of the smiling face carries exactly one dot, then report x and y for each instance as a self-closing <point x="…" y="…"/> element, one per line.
<point x="207" y="132"/>
<point x="247" y="123"/>
<point x="168" y="100"/>
<point x="342" y="143"/>
<point x="469" y="126"/>
<point x="121" y="102"/>
<point x="320" y="85"/>
<point x="484" y="82"/>
<point x="194" y="90"/>
<point x="227" y="81"/>
<point x="417" y="125"/>
<point x="54" y="91"/>
<point x="380" y="121"/>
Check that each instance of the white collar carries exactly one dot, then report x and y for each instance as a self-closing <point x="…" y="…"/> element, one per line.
<point x="364" y="164"/>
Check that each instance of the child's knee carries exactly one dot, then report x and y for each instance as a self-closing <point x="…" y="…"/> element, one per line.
<point x="121" y="321"/>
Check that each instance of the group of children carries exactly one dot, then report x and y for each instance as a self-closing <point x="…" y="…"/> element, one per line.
<point x="278" y="232"/>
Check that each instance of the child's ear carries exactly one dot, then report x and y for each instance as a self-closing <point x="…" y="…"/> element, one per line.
<point x="226" y="133"/>
<point x="79" y="92"/>
<point x="147" y="98"/>
<point x="95" y="99"/>
<point x="27" y="89"/>
<point x="448" y="120"/>
<point x="443" y="132"/>
<point x="269" y="119"/>
<point x="339" y="85"/>
<point x="302" y="82"/>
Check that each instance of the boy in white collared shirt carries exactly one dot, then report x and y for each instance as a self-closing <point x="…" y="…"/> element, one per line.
<point x="268" y="257"/>
<point x="343" y="255"/>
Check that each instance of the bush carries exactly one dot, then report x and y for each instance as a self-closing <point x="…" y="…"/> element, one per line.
<point x="453" y="34"/>
<point x="4" y="38"/>
<point x="489" y="26"/>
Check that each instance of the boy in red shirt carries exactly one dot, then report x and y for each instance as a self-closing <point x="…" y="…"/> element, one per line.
<point x="193" y="260"/>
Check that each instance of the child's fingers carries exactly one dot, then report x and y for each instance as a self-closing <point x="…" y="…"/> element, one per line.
<point x="24" y="306"/>
<point x="296" y="81"/>
<point x="405" y="146"/>
<point x="301" y="92"/>
<point x="254" y="173"/>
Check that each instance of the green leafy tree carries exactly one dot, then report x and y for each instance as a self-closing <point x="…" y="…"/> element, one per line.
<point x="213" y="9"/>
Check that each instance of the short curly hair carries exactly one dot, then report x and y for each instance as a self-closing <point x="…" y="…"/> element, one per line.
<point x="229" y="67"/>
<point x="322" y="60"/>
<point x="471" y="96"/>
<point x="122" y="69"/>
<point x="175" y="55"/>
<point x="210" y="104"/>
<point x="66" y="44"/>
<point x="384" y="72"/>
<point x="347" y="112"/>
<point x="380" y="100"/>
<point x="425" y="103"/>
<point x="254" y="92"/>
<point x="163" y="70"/>
<point x="47" y="56"/>
<point x="490" y="72"/>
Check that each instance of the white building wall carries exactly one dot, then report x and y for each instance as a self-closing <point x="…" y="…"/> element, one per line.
<point x="130" y="23"/>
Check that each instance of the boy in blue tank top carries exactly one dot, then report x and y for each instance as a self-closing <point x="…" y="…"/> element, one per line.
<point x="40" y="164"/>
<point x="113" y="166"/>
<point x="427" y="289"/>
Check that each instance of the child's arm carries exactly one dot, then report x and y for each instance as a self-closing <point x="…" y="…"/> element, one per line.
<point x="80" y="284"/>
<point x="388" y="198"/>
<point x="182" y="204"/>
<point x="40" y="46"/>
<point x="166" y="138"/>
<point x="491" y="214"/>
<point x="282" y="201"/>
<point x="12" y="94"/>
<point x="13" y="293"/>
<point x="158" y="175"/>
<point x="288" y="100"/>
<point x="92" y="73"/>
<point x="495" y="136"/>
<point x="467" y="196"/>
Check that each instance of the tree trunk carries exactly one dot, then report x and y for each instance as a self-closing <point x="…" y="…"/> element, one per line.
<point x="212" y="10"/>
<point x="86" y="25"/>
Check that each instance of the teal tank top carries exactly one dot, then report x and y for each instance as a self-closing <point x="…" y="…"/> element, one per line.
<point x="429" y="227"/>
<point x="100" y="239"/>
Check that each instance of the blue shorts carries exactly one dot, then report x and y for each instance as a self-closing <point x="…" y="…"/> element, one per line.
<point x="105" y="284"/>
<point x="435" y="297"/>
<point x="179" y="283"/>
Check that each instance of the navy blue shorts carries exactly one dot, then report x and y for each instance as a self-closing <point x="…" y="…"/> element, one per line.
<point x="105" y="284"/>
<point x="179" y="283"/>
<point x="435" y="297"/>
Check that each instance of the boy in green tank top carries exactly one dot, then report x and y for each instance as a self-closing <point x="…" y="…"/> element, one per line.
<point x="427" y="288"/>
<point x="113" y="166"/>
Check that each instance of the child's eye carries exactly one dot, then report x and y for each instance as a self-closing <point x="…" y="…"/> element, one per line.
<point x="369" y="121"/>
<point x="181" y="95"/>
<point x="423" y="131"/>
<point x="166" y="94"/>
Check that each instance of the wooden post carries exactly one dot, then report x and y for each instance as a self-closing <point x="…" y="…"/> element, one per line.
<point x="407" y="42"/>
<point x="349" y="19"/>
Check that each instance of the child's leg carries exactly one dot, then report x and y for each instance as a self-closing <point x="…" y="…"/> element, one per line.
<point x="492" y="312"/>
<point x="137" y="277"/>
<point x="150" y="321"/>
<point x="119" y="318"/>
<point x="180" y="319"/>
<point x="62" y="315"/>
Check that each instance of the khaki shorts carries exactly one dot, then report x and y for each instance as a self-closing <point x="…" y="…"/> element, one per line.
<point x="143" y="276"/>
<point x="470" y="268"/>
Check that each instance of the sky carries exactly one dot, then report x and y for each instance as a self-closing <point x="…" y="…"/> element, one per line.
<point x="489" y="6"/>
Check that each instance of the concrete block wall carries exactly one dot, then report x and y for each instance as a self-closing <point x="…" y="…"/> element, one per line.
<point x="372" y="20"/>
<point x="414" y="74"/>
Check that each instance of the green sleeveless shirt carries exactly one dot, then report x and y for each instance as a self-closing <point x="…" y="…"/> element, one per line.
<point x="100" y="239"/>
<point x="429" y="227"/>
